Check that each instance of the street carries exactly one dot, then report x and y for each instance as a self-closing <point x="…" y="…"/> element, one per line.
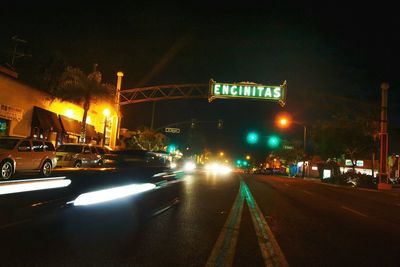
<point x="219" y="221"/>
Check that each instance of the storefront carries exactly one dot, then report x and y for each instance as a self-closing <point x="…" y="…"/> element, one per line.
<point x="4" y="127"/>
<point x="7" y="114"/>
<point x="46" y="125"/>
<point x="27" y="111"/>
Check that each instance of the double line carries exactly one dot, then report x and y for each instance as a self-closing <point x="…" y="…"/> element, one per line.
<point x="225" y="246"/>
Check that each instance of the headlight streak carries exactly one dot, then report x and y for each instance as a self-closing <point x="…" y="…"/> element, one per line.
<point x="18" y="186"/>
<point x="217" y="168"/>
<point x="113" y="193"/>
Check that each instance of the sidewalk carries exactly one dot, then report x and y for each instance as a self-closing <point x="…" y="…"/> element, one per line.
<point x="395" y="187"/>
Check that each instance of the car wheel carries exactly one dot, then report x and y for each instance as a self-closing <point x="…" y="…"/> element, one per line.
<point x="46" y="168"/>
<point x="7" y="170"/>
<point x="78" y="164"/>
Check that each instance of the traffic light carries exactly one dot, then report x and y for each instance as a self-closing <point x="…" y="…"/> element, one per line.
<point x="252" y="138"/>
<point x="220" y="124"/>
<point x="171" y="148"/>
<point x="193" y="124"/>
<point x="273" y="141"/>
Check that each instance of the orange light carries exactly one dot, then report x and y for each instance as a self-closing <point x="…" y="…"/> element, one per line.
<point x="283" y="120"/>
<point x="106" y="112"/>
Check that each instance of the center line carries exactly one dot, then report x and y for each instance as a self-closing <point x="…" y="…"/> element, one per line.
<point x="224" y="248"/>
<point x="308" y="192"/>
<point x="354" y="211"/>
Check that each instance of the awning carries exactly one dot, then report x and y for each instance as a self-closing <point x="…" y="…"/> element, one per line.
<point x="70" y="126"/>
<point x="91" y="132"/>
<point x="45" y="120"/>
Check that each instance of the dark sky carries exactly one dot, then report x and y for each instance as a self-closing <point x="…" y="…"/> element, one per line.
<point x="330" y="51"/>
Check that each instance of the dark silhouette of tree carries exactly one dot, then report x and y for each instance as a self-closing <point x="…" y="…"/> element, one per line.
<point x="350" y="134"/>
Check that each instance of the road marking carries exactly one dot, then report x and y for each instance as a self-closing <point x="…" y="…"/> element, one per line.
<point x="286" y="184"/>
<point x="224" y="248"/>
<point x="14" y="223"/>
<point x="270" y="250"/>
<point x="223" y="251"/>
<point x="308" y="192"/>
<point x="354" y="211"/>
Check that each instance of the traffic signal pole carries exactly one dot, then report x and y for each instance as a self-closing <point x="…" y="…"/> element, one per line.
<point x="383" y="163"/>
<point x="304" y="150"/>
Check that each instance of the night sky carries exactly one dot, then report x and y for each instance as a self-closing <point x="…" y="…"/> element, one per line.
<point x="338" y="53"/>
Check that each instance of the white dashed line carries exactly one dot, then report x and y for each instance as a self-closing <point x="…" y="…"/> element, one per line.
<point x="354" y="211"/>
<point x="308" y="192"/>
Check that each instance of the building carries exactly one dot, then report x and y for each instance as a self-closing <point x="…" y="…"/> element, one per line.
<point x="27" y="111"/>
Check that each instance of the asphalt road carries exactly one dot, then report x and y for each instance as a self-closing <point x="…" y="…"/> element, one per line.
<point x="237" y="219"/>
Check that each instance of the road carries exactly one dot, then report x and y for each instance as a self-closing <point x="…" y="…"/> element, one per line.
<point x="220" y="221"/>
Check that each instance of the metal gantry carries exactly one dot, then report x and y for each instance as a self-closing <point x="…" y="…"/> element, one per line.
<point x="163" y="92"/>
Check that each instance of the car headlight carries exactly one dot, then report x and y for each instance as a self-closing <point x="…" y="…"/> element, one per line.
<point x="189" y="166"/>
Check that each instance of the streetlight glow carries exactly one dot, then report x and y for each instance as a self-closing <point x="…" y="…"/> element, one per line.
<point x="106" y="112"/>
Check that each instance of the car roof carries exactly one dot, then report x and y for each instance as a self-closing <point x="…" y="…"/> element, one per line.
<point x="73" y="144"/>
<point x="12" y="137"/>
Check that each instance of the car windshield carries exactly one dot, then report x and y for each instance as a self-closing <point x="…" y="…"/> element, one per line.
<point x="8" y="143"/>
<point x="70" y="148"/>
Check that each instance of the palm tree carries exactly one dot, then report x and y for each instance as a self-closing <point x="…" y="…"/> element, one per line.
<point x="77" y="87"/>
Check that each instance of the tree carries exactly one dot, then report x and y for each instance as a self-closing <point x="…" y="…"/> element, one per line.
<point x="77" y="87"/>
<point x="146" y="139"/>
<point x="347" y="133"/>
<point x="290" y="152"/>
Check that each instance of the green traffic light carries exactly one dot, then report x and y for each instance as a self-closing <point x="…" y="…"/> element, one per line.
<point x="252" y="138"/>
<point x="171" y="148"/>
<point x="273" y="141"/>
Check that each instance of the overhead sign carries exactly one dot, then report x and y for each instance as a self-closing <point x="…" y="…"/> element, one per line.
<point x="248" y="90"/>
<point x="172" y="130"/>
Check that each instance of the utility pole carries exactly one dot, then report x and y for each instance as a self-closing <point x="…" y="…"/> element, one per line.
<point x="153" y="111"/>
<point x="120" y="74"/>
<point x="383" y="160"/>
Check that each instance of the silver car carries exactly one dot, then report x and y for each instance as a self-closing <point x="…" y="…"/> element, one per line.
<point x="78" y="156"/>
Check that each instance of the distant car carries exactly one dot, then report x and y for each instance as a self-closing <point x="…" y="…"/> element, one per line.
<point x="25" y="155"/>
<point x="128" y="158"/>
<point x="79" y="155"/>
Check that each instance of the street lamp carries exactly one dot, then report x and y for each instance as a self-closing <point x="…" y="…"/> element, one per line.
<point x="284" y="121"/>
<point x="248" y="157"/>
<point x="106" y="113"/>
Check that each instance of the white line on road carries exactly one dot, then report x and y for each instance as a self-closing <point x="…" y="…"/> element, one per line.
<point x="354" y="211"/>
<point x="270" y="250"/>
<point x="286" y="184"/>
<point x="225" y="246"/>
<point x="14" y="223"/>
<point x="308" y="192"/>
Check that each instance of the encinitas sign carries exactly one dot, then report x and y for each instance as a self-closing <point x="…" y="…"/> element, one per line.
<point x="248" y="90"/>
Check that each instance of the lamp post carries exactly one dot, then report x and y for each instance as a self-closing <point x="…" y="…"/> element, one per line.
<point x="284" y="121"/>
<point x="106" y="113"/>
<point x="304" y="149"/>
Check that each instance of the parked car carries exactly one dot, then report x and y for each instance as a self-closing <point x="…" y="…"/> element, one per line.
<point x="79" y="155"/>
<point x="25" y="155"/>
